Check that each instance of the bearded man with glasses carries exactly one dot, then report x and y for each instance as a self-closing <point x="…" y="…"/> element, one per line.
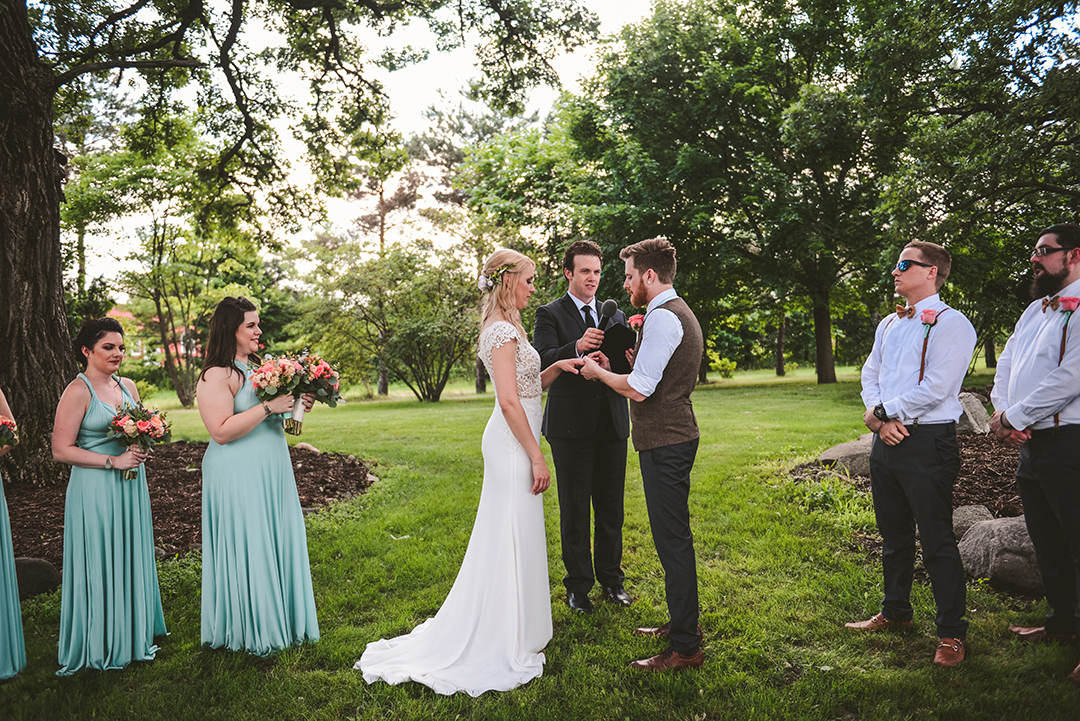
<point x="1036" y="399"/>
<point x="911" y="383"/>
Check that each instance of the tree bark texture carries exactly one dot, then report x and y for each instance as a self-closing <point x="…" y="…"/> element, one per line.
<point x="824" y="360"/>
<point x="36" y="360"/>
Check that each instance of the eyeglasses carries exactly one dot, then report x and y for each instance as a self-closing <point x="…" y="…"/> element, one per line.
<point x="907" y="263"/>
<point x="1042" y="251"/>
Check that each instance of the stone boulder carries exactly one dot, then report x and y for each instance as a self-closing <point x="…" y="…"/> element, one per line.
<point x="852" y="457"/>
<point x="1001" y="551"/>
<point x="974" y="419"/>
<point x="35" y="576"/>
<point x="965" y="517"/>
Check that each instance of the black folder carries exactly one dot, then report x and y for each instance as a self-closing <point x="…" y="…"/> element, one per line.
<point x="618" y="338"/>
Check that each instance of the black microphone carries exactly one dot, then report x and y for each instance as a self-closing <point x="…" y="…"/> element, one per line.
<point x="607" y="309"/>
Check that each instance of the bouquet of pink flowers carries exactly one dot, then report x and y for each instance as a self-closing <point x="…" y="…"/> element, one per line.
<point x="9" y="432"/>
<point x="139" y="426"/>
<point x="276" y="377"/>
<point x="305" y="374"/>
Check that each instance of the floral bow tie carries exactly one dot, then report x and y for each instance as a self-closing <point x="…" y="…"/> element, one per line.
<point x="905" y="312"/>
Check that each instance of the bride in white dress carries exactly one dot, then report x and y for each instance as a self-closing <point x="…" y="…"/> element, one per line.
<point x="490" y="633"/>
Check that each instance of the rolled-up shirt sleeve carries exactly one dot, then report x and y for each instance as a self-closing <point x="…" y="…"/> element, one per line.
<point x="660" y="336"/>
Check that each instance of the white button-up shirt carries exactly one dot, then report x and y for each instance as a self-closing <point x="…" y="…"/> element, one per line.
<point x="890" y="375"/>
<point x="661" y="334"/>
<point x="1030" y="385"/>
<point x="580" y="309"/>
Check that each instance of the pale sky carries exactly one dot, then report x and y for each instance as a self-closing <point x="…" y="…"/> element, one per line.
<point x="411" y="90"/>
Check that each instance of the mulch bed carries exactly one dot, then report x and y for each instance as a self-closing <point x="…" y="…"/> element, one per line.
<point x="174" y="475"/>
<point x="987" y="476"/>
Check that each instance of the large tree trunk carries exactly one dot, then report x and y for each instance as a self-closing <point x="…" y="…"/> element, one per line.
<point x="824" y="361"/>
<point x="36" y="361"/>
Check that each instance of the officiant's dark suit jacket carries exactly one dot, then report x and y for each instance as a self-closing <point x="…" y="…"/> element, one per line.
<point x="586" y="424"/>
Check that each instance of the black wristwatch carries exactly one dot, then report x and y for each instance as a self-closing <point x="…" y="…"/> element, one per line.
<point x="879" y="412"/>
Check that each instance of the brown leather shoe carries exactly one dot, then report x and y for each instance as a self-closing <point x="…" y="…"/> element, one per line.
<point x="1074" y="676"/>
<point x="878" y="623"/>
<point x="660" y="631"/>
<point x="950" y="652"/>
<point x="669" y="660"/>
<point x="1038" y="634"/>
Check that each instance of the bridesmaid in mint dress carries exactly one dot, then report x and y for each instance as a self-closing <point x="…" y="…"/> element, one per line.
<point x="12" y="650"/>
<point x="256" y="580"/>
<point x="110" y="606"/>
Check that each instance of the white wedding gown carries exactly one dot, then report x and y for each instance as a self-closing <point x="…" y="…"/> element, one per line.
<point x="490" y="632"/>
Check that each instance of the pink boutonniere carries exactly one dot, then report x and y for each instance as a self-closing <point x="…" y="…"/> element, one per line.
<point x="1068" y="304"/>
<point x="928" y="318"/>
<point x="636" y="321"/>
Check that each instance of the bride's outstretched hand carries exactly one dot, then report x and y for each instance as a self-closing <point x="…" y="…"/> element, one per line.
<point x="570" y="365"/>
<point x="541" y="476"/>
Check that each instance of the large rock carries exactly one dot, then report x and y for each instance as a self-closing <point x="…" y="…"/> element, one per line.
<point x="35" y="576"/>
<point x="974" y="419"/>
<point x="965" y="517"/>
<point x="853" y="456"/>
<point x="1000" y="550"/>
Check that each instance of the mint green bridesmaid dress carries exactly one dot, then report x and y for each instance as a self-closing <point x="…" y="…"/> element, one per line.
<point x="12" y="650"/>
<point x="256" y="580"/>
<point x="110" y="606"/>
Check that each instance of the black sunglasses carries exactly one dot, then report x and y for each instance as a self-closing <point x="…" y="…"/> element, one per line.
<point x="907" y="263"/>
<point x="1044" y="250"/>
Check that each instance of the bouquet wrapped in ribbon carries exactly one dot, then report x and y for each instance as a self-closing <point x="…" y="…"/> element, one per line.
<point x="139" y="426"/>
<point x="9" y="432"/>
<point x="306" y="374"/>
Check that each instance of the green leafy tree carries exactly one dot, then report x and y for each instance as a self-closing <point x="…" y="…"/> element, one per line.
<point x="418" y="318"/>
<point x="54" y="51"/>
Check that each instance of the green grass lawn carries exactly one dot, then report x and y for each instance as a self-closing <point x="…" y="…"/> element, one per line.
<point x="780" y="569"/>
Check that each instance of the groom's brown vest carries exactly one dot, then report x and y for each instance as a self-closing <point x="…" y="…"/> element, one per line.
<point x="667" y="416"/>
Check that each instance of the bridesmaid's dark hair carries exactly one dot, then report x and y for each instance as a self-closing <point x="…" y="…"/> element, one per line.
<point x="221" y="344"/>
<point x="91" y="333"/>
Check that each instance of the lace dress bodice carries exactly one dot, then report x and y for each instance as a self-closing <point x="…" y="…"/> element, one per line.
<point x="528" y="360"/>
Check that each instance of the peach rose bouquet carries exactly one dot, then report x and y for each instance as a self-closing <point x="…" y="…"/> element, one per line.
<point x="141" y="426"/>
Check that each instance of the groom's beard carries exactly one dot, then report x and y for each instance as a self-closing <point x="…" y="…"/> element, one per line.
<point x="1047" y="283"/>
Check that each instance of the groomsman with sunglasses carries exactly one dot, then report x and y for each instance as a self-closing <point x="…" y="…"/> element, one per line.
<point x="911" y="383"/>
<point x="1036" y="398"/>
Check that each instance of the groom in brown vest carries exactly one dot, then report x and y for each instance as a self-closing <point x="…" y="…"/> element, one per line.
<point x="665" y="434"/>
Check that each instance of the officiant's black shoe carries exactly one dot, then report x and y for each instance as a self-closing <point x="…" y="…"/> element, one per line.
<point x="579" y="602"/>
<point x="617" y="595"/>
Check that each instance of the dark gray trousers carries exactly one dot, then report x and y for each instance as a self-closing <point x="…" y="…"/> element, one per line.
<point x="665" y="473"/>
<point x="590" y="474"/>
<point x="912" y="482"/>
<point x="1049" y="481"/>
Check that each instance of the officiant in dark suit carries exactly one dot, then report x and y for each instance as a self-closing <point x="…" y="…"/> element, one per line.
<point x="586" y="424"/>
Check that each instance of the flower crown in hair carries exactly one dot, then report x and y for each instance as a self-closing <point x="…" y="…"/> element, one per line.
<point x="487" y="283"/>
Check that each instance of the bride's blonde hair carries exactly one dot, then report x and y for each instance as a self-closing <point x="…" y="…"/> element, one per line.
<point x="500" y="298"/>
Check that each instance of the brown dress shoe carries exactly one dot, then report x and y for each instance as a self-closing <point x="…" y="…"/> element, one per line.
<point x="950" y="652"/>
<point x="669" y="660"/>
<point x="878" y="623"/>
<point x="1074" y="676"/>
<point x="1038" y="634"/>
<point x="659" y="631"/>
